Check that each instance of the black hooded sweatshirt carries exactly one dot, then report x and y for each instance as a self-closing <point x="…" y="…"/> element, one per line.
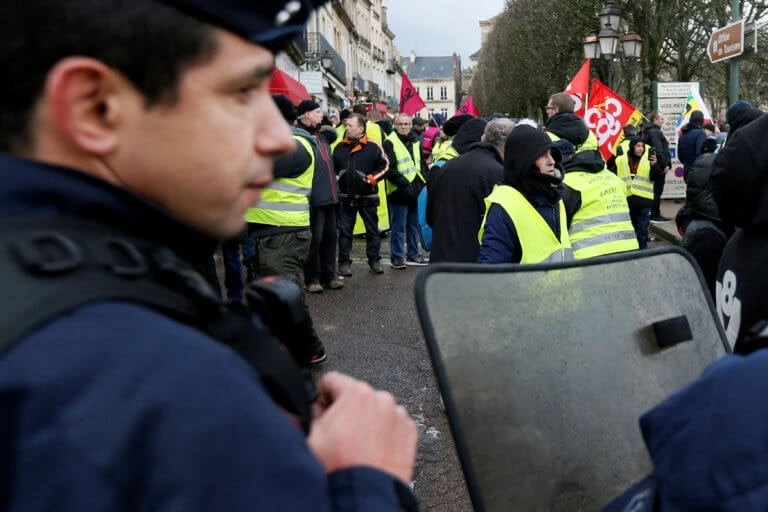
<point x="739" y="186"/>
<point x="568" y="126"/>
<point x="501" y="243"/>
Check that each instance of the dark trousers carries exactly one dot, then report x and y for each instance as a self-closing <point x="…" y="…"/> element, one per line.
<point x="321" y="262"/>
<point x="285" y="255"/>
<point x="233" y="269"/>
<point x="658" y="189"/>
<point x="347" y="216"/>
<point x="641" y="221"/>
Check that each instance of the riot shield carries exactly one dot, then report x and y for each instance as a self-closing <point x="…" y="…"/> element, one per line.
<point x="546" y="369"/>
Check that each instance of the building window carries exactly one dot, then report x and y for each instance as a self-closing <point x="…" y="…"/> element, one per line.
<point x="443" y="93"/>
<point x="430" y="96"/>
<point x="444" y="111"/>
<point x="431" y="112"/>
<point x="418" y="91"/>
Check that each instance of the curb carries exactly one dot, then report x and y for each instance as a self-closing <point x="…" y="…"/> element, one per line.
<point x="658" y="231"/>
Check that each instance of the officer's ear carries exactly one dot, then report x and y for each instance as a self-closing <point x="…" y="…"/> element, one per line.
<point x="86" y="102"/>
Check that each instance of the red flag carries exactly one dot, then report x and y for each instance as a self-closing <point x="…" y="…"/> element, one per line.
<point x="579" y="89"/>
<point x="410" y="101"/>
<point x="607" y="113"/>
<point x="468" y="107"/>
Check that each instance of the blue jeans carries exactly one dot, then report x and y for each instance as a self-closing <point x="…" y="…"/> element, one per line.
<point x="641" y="220"/>
<point x="404" y="221"/>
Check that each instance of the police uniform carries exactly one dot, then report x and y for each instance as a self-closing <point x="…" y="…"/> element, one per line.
<point x="124" y="403"/>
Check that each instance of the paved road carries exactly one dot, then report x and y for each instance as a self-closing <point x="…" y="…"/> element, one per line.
<point x="371" y="331"/>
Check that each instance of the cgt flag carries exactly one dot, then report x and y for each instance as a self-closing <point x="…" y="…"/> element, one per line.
<point x="579" y="89"/>
<point x="607" y="113"/>
<point x="410" y="101"/>
<point x="468" y="107"/>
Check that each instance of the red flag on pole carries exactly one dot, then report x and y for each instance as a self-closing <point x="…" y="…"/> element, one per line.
<point x="468" y="107"/>
<point x="579" y="89"/>
<point x="607" y="114"/>
<point x="410" y="101"/>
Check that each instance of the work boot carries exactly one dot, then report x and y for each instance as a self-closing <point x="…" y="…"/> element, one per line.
<point x="376" y="268"/>
<point x="345" y="269"/>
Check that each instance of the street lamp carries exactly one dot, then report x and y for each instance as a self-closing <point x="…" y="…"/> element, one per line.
<point x="605" y="43"/>
<point x="318" y="63"/>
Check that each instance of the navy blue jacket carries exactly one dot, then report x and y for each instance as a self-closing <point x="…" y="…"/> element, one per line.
<point x="117" y="407"/>
<point x="708" y="443"/>
<point x="501" y="243"/>
<point x="689" y="144"/>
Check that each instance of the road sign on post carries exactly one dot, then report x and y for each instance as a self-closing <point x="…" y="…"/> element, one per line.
<point x="727" y="42"/>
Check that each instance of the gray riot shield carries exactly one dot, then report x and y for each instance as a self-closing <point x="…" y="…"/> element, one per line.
<point x="545" y="369"/>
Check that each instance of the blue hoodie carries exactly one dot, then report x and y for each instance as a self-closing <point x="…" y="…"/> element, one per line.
<point x="116" y="407"/>
<point x="708" y="443"/>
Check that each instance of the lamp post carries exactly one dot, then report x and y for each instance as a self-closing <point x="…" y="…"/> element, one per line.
<point x="605" y="43"/>
<point x="319" y="62"/>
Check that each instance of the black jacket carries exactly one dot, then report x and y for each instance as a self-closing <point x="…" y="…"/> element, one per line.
<point x="569" y="127"/>
<point x="698" y="197"/>
<point x="325" y="188"/>
<point x="739" y="185"/>
<point x="655" y="138"/>
<point x="456" y="202"/>
<point x="353" y="161"/>
<point x="406" y="193"/>
<point x="689" y="144"/>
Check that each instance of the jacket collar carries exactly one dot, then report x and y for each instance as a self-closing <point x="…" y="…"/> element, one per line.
<point x="35" y="188"/>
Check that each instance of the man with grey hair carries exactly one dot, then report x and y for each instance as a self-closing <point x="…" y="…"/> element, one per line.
<point x="456" y="203"/>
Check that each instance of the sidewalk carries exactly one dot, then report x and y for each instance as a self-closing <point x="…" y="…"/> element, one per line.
<point x="667" y="230"/>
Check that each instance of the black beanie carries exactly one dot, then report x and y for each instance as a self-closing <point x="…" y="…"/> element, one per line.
<point x="697" y="118"/>
<point x="286" y="107"/>
<point x="451" y="126"/>
<point x="307" y="106"/>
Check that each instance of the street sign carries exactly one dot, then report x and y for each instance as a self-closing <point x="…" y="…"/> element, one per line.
<point x="727" y="42"/>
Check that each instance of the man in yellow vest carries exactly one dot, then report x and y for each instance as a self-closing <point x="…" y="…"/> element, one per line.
<point x="279" y="224"/>
<point x="564" y="124"/>
<point x="404" y="182"/>
<point x="525" y="219"/>
<point x="638" y="169"/>
<point x="596" y="203"/>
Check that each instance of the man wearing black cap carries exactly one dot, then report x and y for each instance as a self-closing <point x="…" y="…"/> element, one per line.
<point x="324" y="202"/>
<point x="134" y="136"/>
<point x="691" y="139"/>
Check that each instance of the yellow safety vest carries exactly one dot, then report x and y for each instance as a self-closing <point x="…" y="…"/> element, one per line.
<point x="446" y="152"/>
<point x="590" y="144"/>
<point x="624" y="145"/>
<point x="602" y="225"/>
<point x="409" y="165"/>
<point x="285" y="202"/>
<point x="640" y="184"/>
<point x="538" y="243"/>
<point x="436" y="148"/>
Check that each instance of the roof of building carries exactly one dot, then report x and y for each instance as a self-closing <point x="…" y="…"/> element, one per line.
<point x="425" y="68"/>
<point x="476" y="55"/>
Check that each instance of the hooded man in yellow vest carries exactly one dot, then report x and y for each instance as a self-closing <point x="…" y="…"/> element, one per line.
<point x="596" y="203"/>
<point x="638" y="169"/>
<point x="525" y="219"/>
<point x="564" y="124"/>
<point x="279" y="224"/>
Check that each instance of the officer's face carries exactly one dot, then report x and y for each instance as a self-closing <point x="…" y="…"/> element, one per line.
<point x="208" y="157"/>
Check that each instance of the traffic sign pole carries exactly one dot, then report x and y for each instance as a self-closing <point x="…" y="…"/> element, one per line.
<point x="733" y="86"/>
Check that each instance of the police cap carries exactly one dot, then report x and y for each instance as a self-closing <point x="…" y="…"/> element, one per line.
<point x="269" y="23"/>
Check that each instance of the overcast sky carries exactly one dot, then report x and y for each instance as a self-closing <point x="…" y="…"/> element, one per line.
<point x="439" y="27"/>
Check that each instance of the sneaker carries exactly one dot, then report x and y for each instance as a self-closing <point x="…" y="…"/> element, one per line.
<point x="376" y="267"/>
<point x="318" y="357"/>
<point x="345" y="269"/>
<point x="398" y="263"/>
<point x="314" y="288"/>
<point x="418" y="262"/>
<point x="659" y="218"/>
<point x="334" y="284"/>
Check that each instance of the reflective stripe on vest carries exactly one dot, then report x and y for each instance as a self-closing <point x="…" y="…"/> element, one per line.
<point x="409" y="165"/>
<point x="286" y="201"/>
<point x="640" y="184"/>
<point x="602" y="224"/>
<point x="537" y="241"/>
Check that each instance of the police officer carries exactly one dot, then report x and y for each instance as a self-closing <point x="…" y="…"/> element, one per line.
<point x="150" y="121"/>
